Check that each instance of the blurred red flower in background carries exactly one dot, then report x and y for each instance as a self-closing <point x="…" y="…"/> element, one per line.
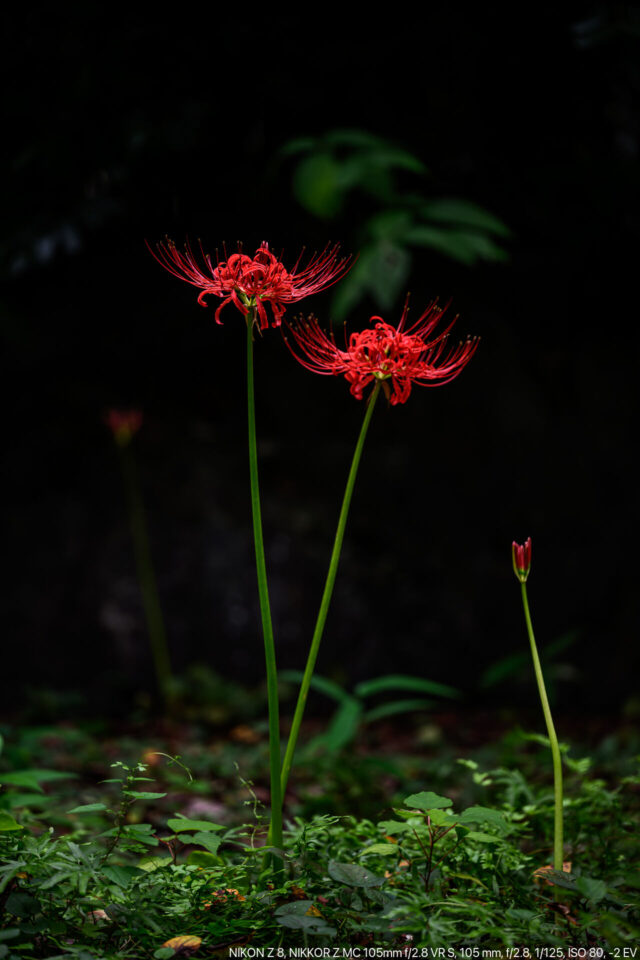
<point x="252" y="282"/>
<point x="123" y="424"/>
<point x="394" y="356"/>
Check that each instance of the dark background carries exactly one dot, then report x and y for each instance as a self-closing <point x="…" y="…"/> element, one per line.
<point x="126" y="128"/>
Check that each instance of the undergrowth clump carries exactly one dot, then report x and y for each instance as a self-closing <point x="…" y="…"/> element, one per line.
<point x="128" y="873"/>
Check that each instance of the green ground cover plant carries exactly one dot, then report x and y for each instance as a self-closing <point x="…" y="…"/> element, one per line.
<point x="120" y="865"/>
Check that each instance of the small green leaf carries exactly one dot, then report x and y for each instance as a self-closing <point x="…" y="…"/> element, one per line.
<point x="149" y="864"/>
<point x="180" y="824"/>
<point x="200" y="858"/>
<point x="442" y="818"/>
<point x="427" y="801"/>
<point x="382" y="849"/>
<point x="484" y="815"/>
<point x="207" y="841"/>
<point x="8" y="823"/>
<point x="20" y="904"/>
<point x="299" y="915"/>
<point x="594" y="890"/>
<point x="88" y="808"/>
<point x="391" y="827"/>
<point x="143" y="795"/>
<point x="482" y="837"/>
<point x="122" y="876"/>
<point x="353" y="875"/>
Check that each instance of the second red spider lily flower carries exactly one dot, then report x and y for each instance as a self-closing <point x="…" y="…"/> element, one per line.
<point x="394" y="357"/>
<point x="250" y="283"/>
<point x="521" y="556"/>
<point x="390" y="359"/>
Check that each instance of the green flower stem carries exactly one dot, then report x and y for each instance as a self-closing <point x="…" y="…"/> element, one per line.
<point x="265" y="611"/>
<point x="146" y="575"/>
<point x="558" y="850"/>
<point x="326" y="596"/>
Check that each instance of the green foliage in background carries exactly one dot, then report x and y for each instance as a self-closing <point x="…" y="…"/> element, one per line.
<point x="347" y="170"/>
<point x="352" y="714"/>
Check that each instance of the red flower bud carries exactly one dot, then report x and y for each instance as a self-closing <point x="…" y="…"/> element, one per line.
<point x="123" y="424"/>
<point x="521" y="556"/>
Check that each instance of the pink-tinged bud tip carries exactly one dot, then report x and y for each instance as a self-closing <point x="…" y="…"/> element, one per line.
<point x="521" y="556"/>
<point x="123" y="424"/>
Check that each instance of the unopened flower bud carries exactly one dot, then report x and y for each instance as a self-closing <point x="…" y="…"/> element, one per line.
<point x="521" y="556"/>
<point x="123" y="424"/>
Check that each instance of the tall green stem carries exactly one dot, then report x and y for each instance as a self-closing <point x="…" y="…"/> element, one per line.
<point x="265" y="611"/>
<point x="326" y="596"/>
<point x="558" y="852"/>
<point x="146" y="576"/>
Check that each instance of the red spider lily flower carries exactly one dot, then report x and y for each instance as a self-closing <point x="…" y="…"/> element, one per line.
<point x="123" y="424"/>
<point x="251" y="282"/>
<point x="521" y="556"/>
<point x="395" y="356"/>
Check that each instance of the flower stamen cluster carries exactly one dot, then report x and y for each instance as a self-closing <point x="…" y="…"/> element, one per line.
<point x="249" y="283"/>
<point x="396" y="356"/>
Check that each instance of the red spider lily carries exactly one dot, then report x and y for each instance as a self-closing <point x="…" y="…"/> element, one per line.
<point x="251" y="282"/>
<point x="395" y="356"/>
<point x="521" y="556"/>
<point x="123" y="424"/>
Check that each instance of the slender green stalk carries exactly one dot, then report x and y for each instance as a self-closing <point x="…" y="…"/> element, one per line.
<point x="326" y="596"/>
<point x="275" y="832"/>
<point x="146" y="576"/>
<point x="558" y="851"/>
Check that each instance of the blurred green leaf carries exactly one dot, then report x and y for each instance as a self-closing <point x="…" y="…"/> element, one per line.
<point x="33" y="778"/>
<point x="394" y="707"/>
<point x="343" y="726"/>
<point x="122" y="876"/>
<point x="7" y="822"/>
<point x="382" y="849"/>
<point x="299" y="145"/>
<point x="595" y="890"/>
<point x="321" y="684"/>
<point x="484" y="815"/>
<point x="399" y="681"/>
<point x="180" y="824"/>
<point x="465" y="213"/>
<point x="353" y="875"/>
<point x="143" y="794"/>
<point x="480" y="837"/>
<point x="351" y="138"/>
<point x="465" y="246"/>
<point x="388" y="270"/>
<point x="317" y="185"/>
